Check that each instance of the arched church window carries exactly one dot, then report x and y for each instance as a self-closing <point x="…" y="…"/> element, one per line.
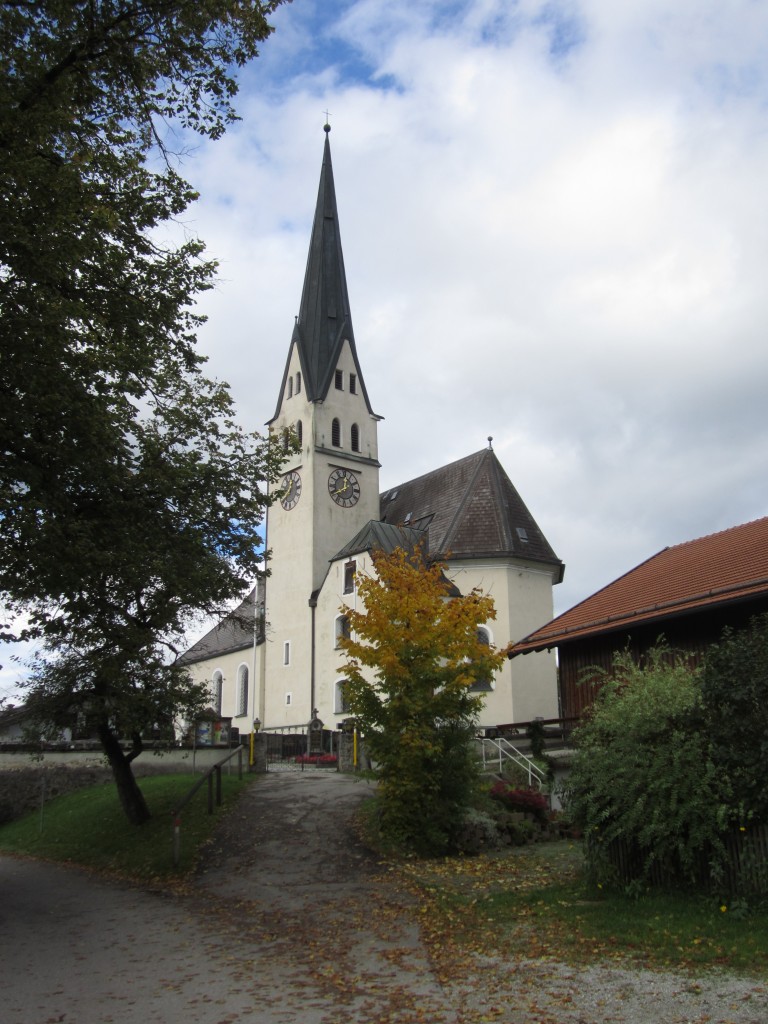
<point x="290" y="387"/>
<point x="336" y="434"/>
<point x="339" y="380"/>
<point x="299" y="431"/>
<point x="298" y="383"/>
<point x="242" y="690"/>
<point x="352" y="384"/>
<point x="218" y="691"/>
<point x="355" y="438"/>
<point x="342" y="628"/>
<point x="482" y="685"/>
<point x="341" y="703"/>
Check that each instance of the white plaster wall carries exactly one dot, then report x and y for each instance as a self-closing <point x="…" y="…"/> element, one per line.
<point x="228" y="665"/>
<point x="522" y="595"/>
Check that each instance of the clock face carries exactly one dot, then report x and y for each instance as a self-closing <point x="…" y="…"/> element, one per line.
<point x="343" y="487"/>
<point x="292" y="487"/>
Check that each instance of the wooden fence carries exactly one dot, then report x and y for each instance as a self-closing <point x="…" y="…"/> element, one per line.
<point x="745" y="869"/>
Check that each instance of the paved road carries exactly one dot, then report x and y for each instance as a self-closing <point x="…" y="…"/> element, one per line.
<point x="290" y="921"/>
<point x="285" y="924"/>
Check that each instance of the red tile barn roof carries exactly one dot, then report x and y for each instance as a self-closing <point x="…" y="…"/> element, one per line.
<point x="717" y="569"/>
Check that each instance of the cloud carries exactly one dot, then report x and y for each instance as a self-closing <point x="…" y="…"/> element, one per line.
<point x="555" y="233"/>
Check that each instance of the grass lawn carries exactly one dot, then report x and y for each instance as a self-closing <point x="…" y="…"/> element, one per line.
<point x="533" y="901"/>
<point x="88" y="827"/>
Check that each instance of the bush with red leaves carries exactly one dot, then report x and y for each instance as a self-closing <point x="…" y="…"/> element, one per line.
<point x="529" y="801"/>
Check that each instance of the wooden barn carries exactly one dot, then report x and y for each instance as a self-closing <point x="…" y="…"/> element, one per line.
<point x="686" y="594"/>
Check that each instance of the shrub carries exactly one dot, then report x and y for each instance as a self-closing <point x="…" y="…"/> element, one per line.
<point x="477" y="832"/>
<point x="643" y="777"/>
<point x="522" y="798"/>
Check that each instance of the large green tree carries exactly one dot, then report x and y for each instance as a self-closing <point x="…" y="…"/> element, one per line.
<point x="129" y="496"/>
<point x="413" y="656"/>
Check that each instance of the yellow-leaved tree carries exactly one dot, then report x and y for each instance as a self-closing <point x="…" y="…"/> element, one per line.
<point x="413" y="657"/>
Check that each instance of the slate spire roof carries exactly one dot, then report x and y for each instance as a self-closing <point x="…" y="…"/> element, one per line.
<point x="470" y="509"/>
<point x="325" y="320"/>
<point x="718" y="569"/>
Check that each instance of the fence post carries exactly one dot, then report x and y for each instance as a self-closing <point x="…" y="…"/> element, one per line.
<point x="210" y="793"/>
<point x="176" y="839"/>
<point x="218" y="786"/>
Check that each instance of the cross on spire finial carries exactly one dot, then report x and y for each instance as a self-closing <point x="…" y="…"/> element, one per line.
<point x="327" y="126"/>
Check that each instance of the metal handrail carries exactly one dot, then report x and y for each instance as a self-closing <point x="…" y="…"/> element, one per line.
<point x="206" y="777"/>
<point x="505" y="749"/>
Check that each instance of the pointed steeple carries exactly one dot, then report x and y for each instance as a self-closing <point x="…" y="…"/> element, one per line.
<point x="324" y="321"/>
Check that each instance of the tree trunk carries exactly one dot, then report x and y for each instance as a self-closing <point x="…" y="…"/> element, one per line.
<point x="131" y="797"/>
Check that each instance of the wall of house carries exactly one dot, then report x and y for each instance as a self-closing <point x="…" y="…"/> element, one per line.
<point x="329" y="659"/>
<point x="690" y="634"/>
<point x="229" y="665"/>
<point x="522" y="595"/>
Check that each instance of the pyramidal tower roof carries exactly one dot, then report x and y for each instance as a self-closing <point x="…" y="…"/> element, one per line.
<point x="470" y="509"/>
<point x="324" y="322"/>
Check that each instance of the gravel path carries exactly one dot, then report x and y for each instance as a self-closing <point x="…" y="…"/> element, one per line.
<point x="290" y="920"/>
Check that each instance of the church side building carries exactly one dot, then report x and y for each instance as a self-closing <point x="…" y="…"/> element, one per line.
<point x="277" y="658"/>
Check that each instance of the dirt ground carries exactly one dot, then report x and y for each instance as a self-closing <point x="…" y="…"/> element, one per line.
<point x="289" y="919"/>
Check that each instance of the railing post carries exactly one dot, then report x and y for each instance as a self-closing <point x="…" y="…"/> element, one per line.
<point x="208" y="777"/>
<point x="176" y="839"/>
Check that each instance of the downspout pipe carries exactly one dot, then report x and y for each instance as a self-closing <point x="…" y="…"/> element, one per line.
<point x="313" y="606"/>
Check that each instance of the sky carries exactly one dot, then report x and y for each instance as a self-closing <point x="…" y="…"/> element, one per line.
<point x="554" y="218"/>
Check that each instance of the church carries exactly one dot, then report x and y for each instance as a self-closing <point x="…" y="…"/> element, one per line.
<point x="276" y="659"/>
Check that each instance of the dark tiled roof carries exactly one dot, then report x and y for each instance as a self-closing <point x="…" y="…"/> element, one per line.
<point x="471" y="510"/>
<point x="376" y="536"/>
<point x="713" y="570"/>
<point x="235" y="632"/>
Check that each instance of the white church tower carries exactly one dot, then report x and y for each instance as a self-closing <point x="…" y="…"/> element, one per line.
<point x="331" y="484"/>
<point x="331" y="518"/>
